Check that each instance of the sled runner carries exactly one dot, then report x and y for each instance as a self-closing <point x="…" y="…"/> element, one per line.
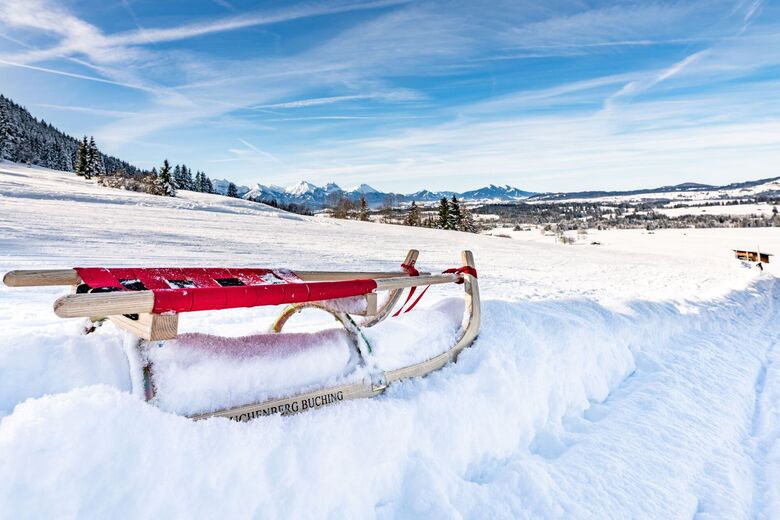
<point x="147" y="302"/>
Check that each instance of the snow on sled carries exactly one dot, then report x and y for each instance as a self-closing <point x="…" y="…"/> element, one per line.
<point x="201" y="375"/>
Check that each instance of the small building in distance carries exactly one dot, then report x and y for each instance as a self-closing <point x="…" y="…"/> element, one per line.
<point x="752" y="256"/>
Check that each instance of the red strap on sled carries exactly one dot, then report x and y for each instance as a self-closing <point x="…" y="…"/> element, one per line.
<point x="457" y="270"/>
<point x="409" y="268"/>
<point x="466" y="269"/>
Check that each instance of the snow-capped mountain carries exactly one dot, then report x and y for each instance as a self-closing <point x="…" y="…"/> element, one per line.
<point x="332" y="187"/>
<point x="221" y="187"/>
<point x="263" y="192"/>
<point x="316" y="197"/>
<point x="363" y="188"/>
<point x="493" y="192"/>
<point x="301" y="189"/>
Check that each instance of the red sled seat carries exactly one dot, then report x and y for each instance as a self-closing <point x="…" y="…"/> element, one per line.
<point x="202" y="289"/>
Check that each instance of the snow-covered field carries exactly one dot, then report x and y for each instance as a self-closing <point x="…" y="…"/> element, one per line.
<point x="639" y="378"/>
<point x="691" y="197"/>
<point x="762" y="210"/>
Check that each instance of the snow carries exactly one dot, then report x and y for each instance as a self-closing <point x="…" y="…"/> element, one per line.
<point x="689" y="196"/>
<point x="362" y="188"/>
<point x="762" y="210"/>
<point x="636" y="378"/>
<point x="301" y="188"/>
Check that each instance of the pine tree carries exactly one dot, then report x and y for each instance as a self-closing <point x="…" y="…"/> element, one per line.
<point x="94" y="159"/>
<point x="454" y="217"/>
<point x="444" y="214"/>
<point x="208" y="187"/>
<point x="152" y="183"/>
<point x="363" y="209"/>
<point x="82" y="159"/>
<point x="178" y="179"/>
<point x="165" y="180"/>
<point x="189" y="183"/>
<point x="232" y="190"/>
<point x="467" y="223"/>
<point x="198" y="183"/>
<point x="5" y="130"/>
<point x="413" y="218"/>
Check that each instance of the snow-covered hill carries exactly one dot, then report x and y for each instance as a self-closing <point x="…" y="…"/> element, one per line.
<point x="636" y="378"/>
<point x="691" y="193"/>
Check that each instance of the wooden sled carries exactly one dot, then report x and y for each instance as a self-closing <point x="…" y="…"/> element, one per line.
<point x="147" y="302"/>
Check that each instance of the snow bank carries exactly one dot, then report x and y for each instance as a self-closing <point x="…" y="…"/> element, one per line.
<point x="554" y="401"/>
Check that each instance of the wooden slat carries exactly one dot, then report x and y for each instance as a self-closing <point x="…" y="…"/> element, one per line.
<point x="390" y="284"/>
<point x="330" y="276"/>
<point x="104" y="304"/>
<point x="34" y="278"/>
<point x="371" y="305"/>
<point x="151" y="327"/>
<point x="298" y="403"/>
<point x="45" y="277"/>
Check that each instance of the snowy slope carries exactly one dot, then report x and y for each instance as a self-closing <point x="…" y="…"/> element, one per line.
<point x="691" y="193"/>
<point x="639" y="378"/>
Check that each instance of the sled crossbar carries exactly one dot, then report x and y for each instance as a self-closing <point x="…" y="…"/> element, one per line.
<point x="48" y="277"/>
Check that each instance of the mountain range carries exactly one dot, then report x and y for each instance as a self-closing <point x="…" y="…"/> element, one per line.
<point x="317" y="197"/>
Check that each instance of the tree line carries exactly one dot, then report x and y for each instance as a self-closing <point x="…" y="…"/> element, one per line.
<point x="166" y="181"/>
<point x="450" y="214"/>
<point x="25" y="139"/>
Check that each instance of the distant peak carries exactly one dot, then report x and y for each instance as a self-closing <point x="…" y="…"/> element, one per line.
<point x="363" y="188"/>
<point x="300" y="188"/>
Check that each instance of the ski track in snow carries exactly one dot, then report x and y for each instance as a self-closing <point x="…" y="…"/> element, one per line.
<point x="640" y="379"/>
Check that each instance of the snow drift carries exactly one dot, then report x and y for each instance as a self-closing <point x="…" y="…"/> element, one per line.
<point x="552" y="400"/>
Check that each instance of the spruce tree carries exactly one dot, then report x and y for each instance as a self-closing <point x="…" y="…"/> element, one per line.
<point x="188" y="179"/>
<point x="188" y="183"/>
<point x="82" y="159"/>
<point x="94" y="159"/>
<point x="178" y="179"/>
<point x="165" y="180"/>
<point x="363" y="209"/>
<point x="208" y="187"/>
<point x="413" y="218"/>
<point x="444" y="214"/>
<point x="5" y="130"/>
<point x="152" y="183"/>
<point x="454" y="217"/>
<point x="467" y="221"/>
<point x="198" y="183"/>
<point x="232" y="190"/>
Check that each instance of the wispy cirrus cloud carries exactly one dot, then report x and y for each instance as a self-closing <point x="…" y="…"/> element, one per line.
<point x="256" y="150"/>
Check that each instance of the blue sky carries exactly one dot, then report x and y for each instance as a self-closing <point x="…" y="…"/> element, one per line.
<point x="546" y="96"/>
